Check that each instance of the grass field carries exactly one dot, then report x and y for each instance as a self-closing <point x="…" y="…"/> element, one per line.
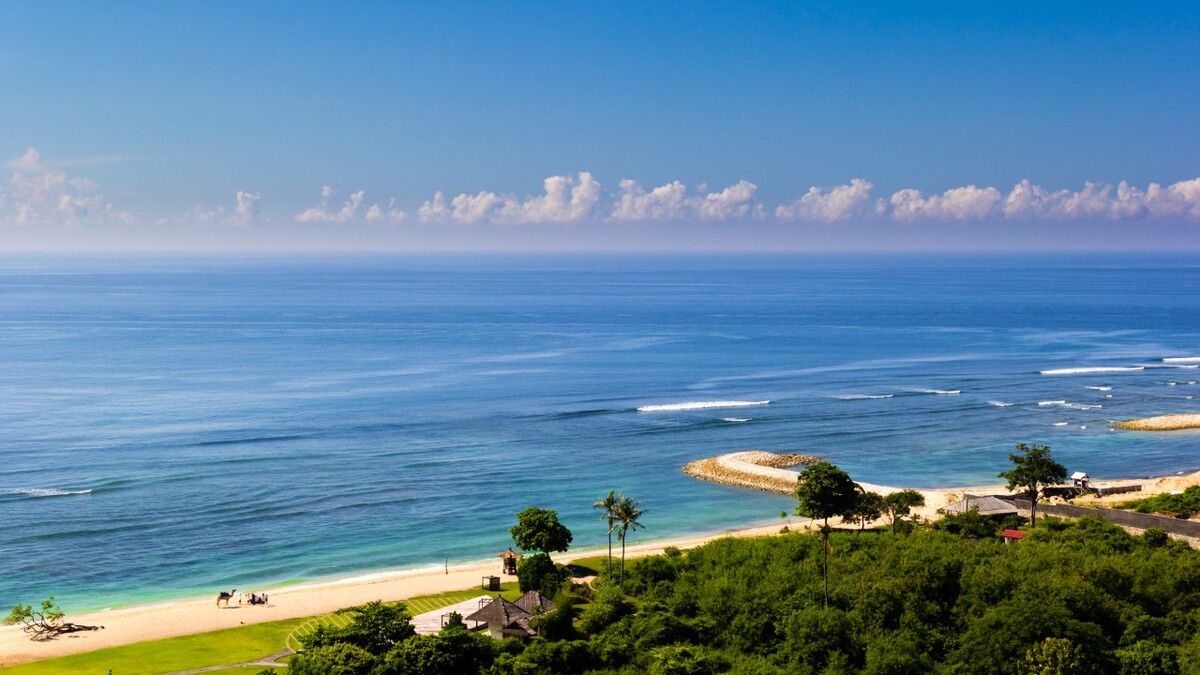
<point x="233" y="645"/>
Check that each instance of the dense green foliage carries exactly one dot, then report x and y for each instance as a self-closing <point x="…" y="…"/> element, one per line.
<point x="1183" y="505"/>
<point x="539" y="573"/>
<point x="1082" y="597"/>
<point x="374" y="627"/>
<point x="539" y="530"/>
<point x="1033" y="469"/>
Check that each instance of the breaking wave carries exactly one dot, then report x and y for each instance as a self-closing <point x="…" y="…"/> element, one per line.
<point x="939" y="392"/>
<point x="42" y="492"/>
<point x="1090" y="371"/>
<point x="862" y="397"/>
<point x="1000" y="404"/>
<point x="735" y="420"/>
<point x="1101" y="388"/>
<point x="699" y="405"/>
<point x="1182" y="359"/>
<point x="1072" y="406"/>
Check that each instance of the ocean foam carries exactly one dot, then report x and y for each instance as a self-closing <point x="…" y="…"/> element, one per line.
<point x="1001" y="404"/>
<point x="42" y="492"/>
<point x="1182" y="359"/>
<point x="699" y="405"/>
<point x="862" y="397"/>
<point x="735" y="420"/>
<point x="1072" y="406"/>
<point x="939" y="392"/>
<point x="1101" y="388"/>
<point x="1090" y="371"/>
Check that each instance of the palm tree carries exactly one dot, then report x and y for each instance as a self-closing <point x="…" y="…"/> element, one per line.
<point x="609" y="505"/>
<point x="627" y="513"/>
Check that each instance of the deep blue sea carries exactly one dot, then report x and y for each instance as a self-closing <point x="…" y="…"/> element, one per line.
<point x="170" y="426"/>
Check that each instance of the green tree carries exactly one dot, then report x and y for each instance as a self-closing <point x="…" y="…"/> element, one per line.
<point x="609" y="516"/>
<point x="1054" y="656"/>
<point x="868" y="506"/>
<point x="627" y="513"/>
<point x="1033" y="470"/>
<point x="823" y="491"/>
<point x="897" y="505"/>
<point x="539" y="573"/>
<point x="1148" y="658"/>
<point x="539" y="530"/>
<point x="375" y="627"/>
<point x="334" y="659"/>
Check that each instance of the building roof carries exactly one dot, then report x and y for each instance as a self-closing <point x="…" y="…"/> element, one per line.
<point x="535" y="603"/>
<point x="498" y="611"/>
<point x="518" y="628"/>
<point x="988" y="506"/>
<point x="509" y="554"/>
<point x="1013" y="534"/>
<point x="1079" y="475"/>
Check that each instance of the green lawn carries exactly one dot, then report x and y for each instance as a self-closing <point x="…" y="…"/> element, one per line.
<point x="233" y="645"/>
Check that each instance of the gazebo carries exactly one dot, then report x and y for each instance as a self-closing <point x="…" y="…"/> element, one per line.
<point x="511" y="619"/>
<point x="503" y="619"/>
<point x="508" y="559"/>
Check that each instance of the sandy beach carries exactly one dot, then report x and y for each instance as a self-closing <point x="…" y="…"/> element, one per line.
<point x="153" y="622"/>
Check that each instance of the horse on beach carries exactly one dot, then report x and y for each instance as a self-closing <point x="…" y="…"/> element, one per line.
<point x="222" y="595"/>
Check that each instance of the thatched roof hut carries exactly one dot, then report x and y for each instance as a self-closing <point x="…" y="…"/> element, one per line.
<point x="535" y="603"/>
<point x="503" y="619"/>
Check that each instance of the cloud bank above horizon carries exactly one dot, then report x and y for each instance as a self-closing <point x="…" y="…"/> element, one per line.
<point x="36" y="193"/>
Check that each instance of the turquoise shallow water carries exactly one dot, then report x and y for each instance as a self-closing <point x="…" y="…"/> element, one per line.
<point x="170" y="426"/>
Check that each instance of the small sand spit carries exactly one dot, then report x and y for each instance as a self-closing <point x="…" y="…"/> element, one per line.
<point x="1161" y="423"/>
<point x="754" y="469"/>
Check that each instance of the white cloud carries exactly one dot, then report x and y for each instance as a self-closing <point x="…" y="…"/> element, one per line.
<point x="349" y="209"/>
<point x="672" y="202"/>
<point x="964" y="203"/>
<point x="665" y="202"/>
<point x="566" y="200"/>
<point x="840" y="202"/>
<point x="35" y="193"/>
<point x="245" y="211"/>
<point x="1097" y="200"/>
<point x="385" y="214"/>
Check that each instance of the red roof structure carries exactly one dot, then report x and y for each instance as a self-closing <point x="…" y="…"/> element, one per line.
<point x="1012" y="535"/>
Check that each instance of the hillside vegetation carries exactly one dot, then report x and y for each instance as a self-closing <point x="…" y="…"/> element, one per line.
<point x="1081" y="597"/>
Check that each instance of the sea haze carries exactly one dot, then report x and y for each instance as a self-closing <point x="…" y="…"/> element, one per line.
<point x="169" y="427"/>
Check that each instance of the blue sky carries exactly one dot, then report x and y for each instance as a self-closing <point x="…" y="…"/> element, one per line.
<point x="598" y="126"/>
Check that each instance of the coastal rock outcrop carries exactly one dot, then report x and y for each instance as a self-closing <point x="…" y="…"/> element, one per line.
<point x="1161" y="423"/>
<point x="754" y="469"/>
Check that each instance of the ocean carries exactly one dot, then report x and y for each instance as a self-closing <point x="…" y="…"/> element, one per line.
<point x="171" y="426"/>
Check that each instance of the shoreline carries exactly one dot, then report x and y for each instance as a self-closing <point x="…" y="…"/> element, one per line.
<point x="308" y="598"/>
